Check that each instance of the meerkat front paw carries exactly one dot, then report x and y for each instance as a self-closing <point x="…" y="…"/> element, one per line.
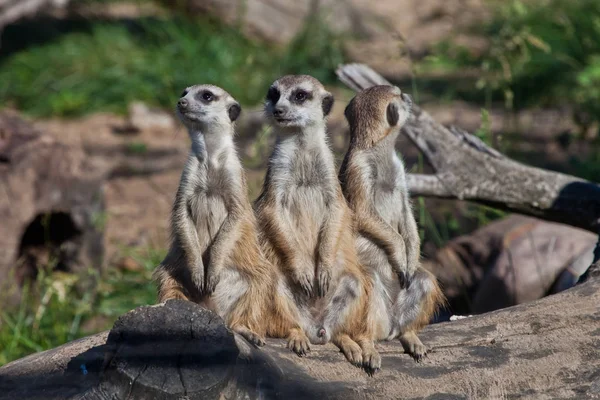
<point x="298" y="342"/>
<point x="212" y="279"/>
<point x="404" y="279"/>
<point x="371" y="362"/>
<point x="323" y="280"/>
<point x="253" y="337"/>
<point x="413" y="346"/>
<point x="304" y="279"/>
<point x="198" y="276"/>
<point x="352" y="352"/>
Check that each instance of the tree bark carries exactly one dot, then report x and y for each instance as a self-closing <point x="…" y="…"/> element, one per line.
<point x="548" y="348"/>
<point x="13" y="10"/>
<point x="467" y="169"/>
<point x="51" y="206"/>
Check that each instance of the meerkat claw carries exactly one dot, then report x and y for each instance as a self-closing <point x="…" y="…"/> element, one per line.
<point x="211" y="284"/>
<point x="324" y="280"/>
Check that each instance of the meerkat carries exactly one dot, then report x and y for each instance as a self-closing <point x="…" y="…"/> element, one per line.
<point x="405" y="296"/>
<point x="306" y="225"/>
<point x="215" y="258"/>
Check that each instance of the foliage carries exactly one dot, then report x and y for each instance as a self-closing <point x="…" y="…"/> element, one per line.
<point x="104" y="66"/>
<point x="57" y="306"/>
<point x="540" y="53"/>
<point x="316" y="51"/>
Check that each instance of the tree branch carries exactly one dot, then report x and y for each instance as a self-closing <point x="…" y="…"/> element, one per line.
<point x="467" y="169"/>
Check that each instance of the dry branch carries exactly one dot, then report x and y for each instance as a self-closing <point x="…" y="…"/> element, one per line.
<point x="13" y="10"/>
<point x="467" y="169"/>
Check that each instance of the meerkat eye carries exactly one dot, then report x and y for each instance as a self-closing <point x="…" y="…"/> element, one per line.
<point x="301" y="95"/>
<point x="184" y="93"/>
<point x="208" y="96"/>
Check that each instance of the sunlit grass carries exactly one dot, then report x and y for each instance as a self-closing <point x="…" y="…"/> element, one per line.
<point x="56" y="307"/>
<point x="104" y="66"/>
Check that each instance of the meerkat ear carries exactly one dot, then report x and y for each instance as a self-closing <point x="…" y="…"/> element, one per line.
<point x="234" y="111"/>
<point x="327" y="104"/>
<point x="347" y="112"/>
<point x="393" y="115"/>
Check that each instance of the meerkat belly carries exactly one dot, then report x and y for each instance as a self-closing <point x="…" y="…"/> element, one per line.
<point x="388" y="203"/>
<point x="306" y="214"/>
<point x="208" y="212"/>
<point x="385" y="281"/>
<point x="385" y="285"/>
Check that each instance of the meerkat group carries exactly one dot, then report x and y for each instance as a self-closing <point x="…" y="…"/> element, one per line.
<point x="321" y="257"/>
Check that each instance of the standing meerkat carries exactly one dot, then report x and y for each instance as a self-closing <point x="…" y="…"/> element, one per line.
<point x="215" y="258"/>
<point x="405" y="296"/>
<point x="306" y="225"/>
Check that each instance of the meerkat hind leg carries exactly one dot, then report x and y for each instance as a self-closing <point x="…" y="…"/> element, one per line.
<point x="350" y="348"/>
<point x="298" y="342"/>
<point x="168" y="287"/>
<point x="371" y="357"/>
<point x="249" y="335"/>
<point x="413" y="345"/>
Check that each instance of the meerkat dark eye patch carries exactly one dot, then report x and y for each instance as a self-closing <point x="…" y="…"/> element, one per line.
<point x="327" y="104"/>
<point x="299" y="96"/>
<point x="206" y="96"/>
<point x="393" y="115"/>
<point x="234" y="111"/>
<point x="184" y="93"/>
<point x="273" y="95"/>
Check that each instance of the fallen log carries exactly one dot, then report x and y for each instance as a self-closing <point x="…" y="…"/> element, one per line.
<point x="13" y="10"/>
<point x="546" y="349"/>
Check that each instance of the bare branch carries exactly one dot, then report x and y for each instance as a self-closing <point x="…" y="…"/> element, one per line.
<point x="13" y="10"/>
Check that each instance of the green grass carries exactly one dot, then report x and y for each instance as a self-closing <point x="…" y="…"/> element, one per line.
<point x="102" y="66"/>
<point x="60" y="307"/>
<point x="540" y="54"/>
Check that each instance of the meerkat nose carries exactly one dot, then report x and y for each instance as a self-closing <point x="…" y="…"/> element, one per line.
<point x="182" y="103"/>
<point x="279" y="110"/>
<point x="321" y="332"/>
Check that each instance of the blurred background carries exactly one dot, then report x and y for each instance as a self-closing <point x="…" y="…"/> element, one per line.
<point x="91" y="154"/>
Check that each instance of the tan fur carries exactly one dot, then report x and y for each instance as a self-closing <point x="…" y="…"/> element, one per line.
<point x="215" y="259"/>
<point x="307" y="227"/>
<point x="405" y="295"/>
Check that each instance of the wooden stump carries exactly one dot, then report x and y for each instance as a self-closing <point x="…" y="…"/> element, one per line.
<point x="168" y="351"/>
<point x="51" y="205"/>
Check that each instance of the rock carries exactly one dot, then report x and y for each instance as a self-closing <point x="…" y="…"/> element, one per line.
<point x="511" y="261"/>
<point x="141" y="117"/>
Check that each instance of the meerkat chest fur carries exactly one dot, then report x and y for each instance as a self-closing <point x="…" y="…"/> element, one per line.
<point x="305" y="178"/>
<point x="388" y="174"/>
<point x="212" y="171"/>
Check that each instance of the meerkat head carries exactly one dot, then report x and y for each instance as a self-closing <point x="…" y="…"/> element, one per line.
<point x="375" y="113"/>
<point x="207" y="108"/>
<point x="298" y="101"/>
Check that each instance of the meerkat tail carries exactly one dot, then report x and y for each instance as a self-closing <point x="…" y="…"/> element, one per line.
<point x="248" y="313"/>
<point x="419" y="303"/>
<point x="168" y="287"/>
